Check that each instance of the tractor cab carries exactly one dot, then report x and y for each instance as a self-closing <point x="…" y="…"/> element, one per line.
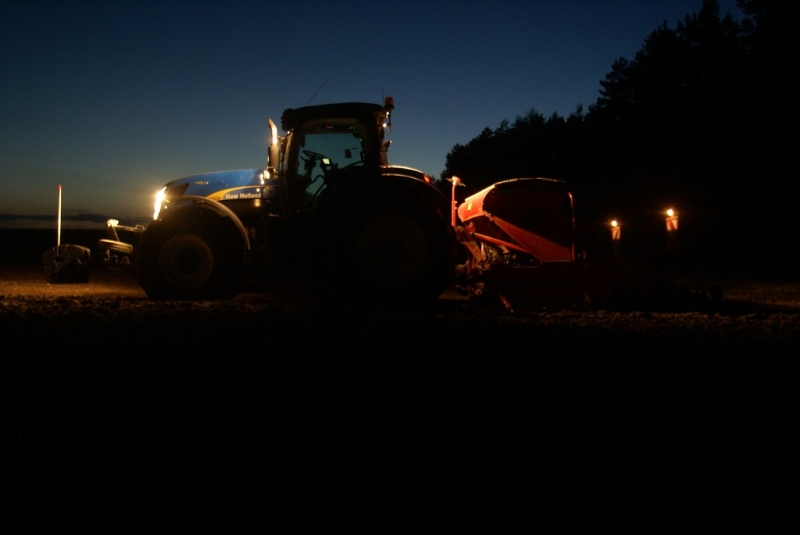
<point x="326" y="145"/>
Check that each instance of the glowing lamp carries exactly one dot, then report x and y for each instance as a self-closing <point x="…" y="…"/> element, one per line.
<point x="615" y="230"/>
<point x="672" y="220"/>
<point x="159" y="199"/>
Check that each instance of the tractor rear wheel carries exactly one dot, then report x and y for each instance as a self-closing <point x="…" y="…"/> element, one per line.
<point x="396" y="255"/>
<point x="392" y="250"/>
<point x="189" y="257"/>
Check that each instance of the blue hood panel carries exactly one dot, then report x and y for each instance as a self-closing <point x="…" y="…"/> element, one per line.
<point x="230" y="185"/>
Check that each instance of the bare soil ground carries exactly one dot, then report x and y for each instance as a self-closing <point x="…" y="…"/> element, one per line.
<point x="749" y="309"/>
<point x="157" y="416"/>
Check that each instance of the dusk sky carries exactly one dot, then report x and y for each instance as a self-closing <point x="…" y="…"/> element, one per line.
<point x="114" y="99"/>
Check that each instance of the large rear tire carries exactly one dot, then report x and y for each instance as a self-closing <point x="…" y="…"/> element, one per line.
<point x="396" y="255"/>
<point x="190" y="256"/>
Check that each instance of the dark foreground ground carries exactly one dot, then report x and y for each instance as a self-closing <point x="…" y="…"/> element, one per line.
<point x="274" y="410"/>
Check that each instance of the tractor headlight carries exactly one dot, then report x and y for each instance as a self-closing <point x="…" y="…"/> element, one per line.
<point x="159" y="200"/>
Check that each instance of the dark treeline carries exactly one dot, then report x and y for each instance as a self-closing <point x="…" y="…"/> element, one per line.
<point x="703" y="118"/>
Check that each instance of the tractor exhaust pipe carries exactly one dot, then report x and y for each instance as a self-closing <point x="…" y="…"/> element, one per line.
<point x="274" y="154"/>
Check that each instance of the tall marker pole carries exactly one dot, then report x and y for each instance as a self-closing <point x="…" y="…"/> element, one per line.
<point x="58" y="237"/>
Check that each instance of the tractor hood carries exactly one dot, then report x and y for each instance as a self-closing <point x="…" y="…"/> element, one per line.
<point x="226" y="185"/>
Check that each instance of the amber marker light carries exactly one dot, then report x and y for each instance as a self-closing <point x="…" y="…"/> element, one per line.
<point x="615" y="230"/>
<point x="672" y="229"/>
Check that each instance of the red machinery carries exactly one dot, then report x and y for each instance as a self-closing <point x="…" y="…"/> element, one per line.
<point x="520" y="237"/>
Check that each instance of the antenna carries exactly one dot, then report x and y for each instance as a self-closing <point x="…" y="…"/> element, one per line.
<point x="317" y="91"/>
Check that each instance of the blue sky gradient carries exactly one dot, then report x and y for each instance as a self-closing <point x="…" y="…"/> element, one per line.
<point x="113" y="99"/>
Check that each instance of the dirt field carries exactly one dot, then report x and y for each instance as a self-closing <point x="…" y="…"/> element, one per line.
<point x="157" y="416"/>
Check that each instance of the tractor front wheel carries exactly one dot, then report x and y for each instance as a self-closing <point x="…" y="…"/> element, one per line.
<point x="189" y="257"/>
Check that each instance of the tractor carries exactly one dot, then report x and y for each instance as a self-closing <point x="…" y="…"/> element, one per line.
<point x="330" y="207"/>
<point x="327" y="204"/>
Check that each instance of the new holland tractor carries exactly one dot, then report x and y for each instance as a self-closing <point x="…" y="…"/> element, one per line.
<point x="330" y="207"/>
<point x="328" y="203"/>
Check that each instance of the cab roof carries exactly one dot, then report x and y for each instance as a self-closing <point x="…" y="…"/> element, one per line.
<point x="293" y="116"/>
